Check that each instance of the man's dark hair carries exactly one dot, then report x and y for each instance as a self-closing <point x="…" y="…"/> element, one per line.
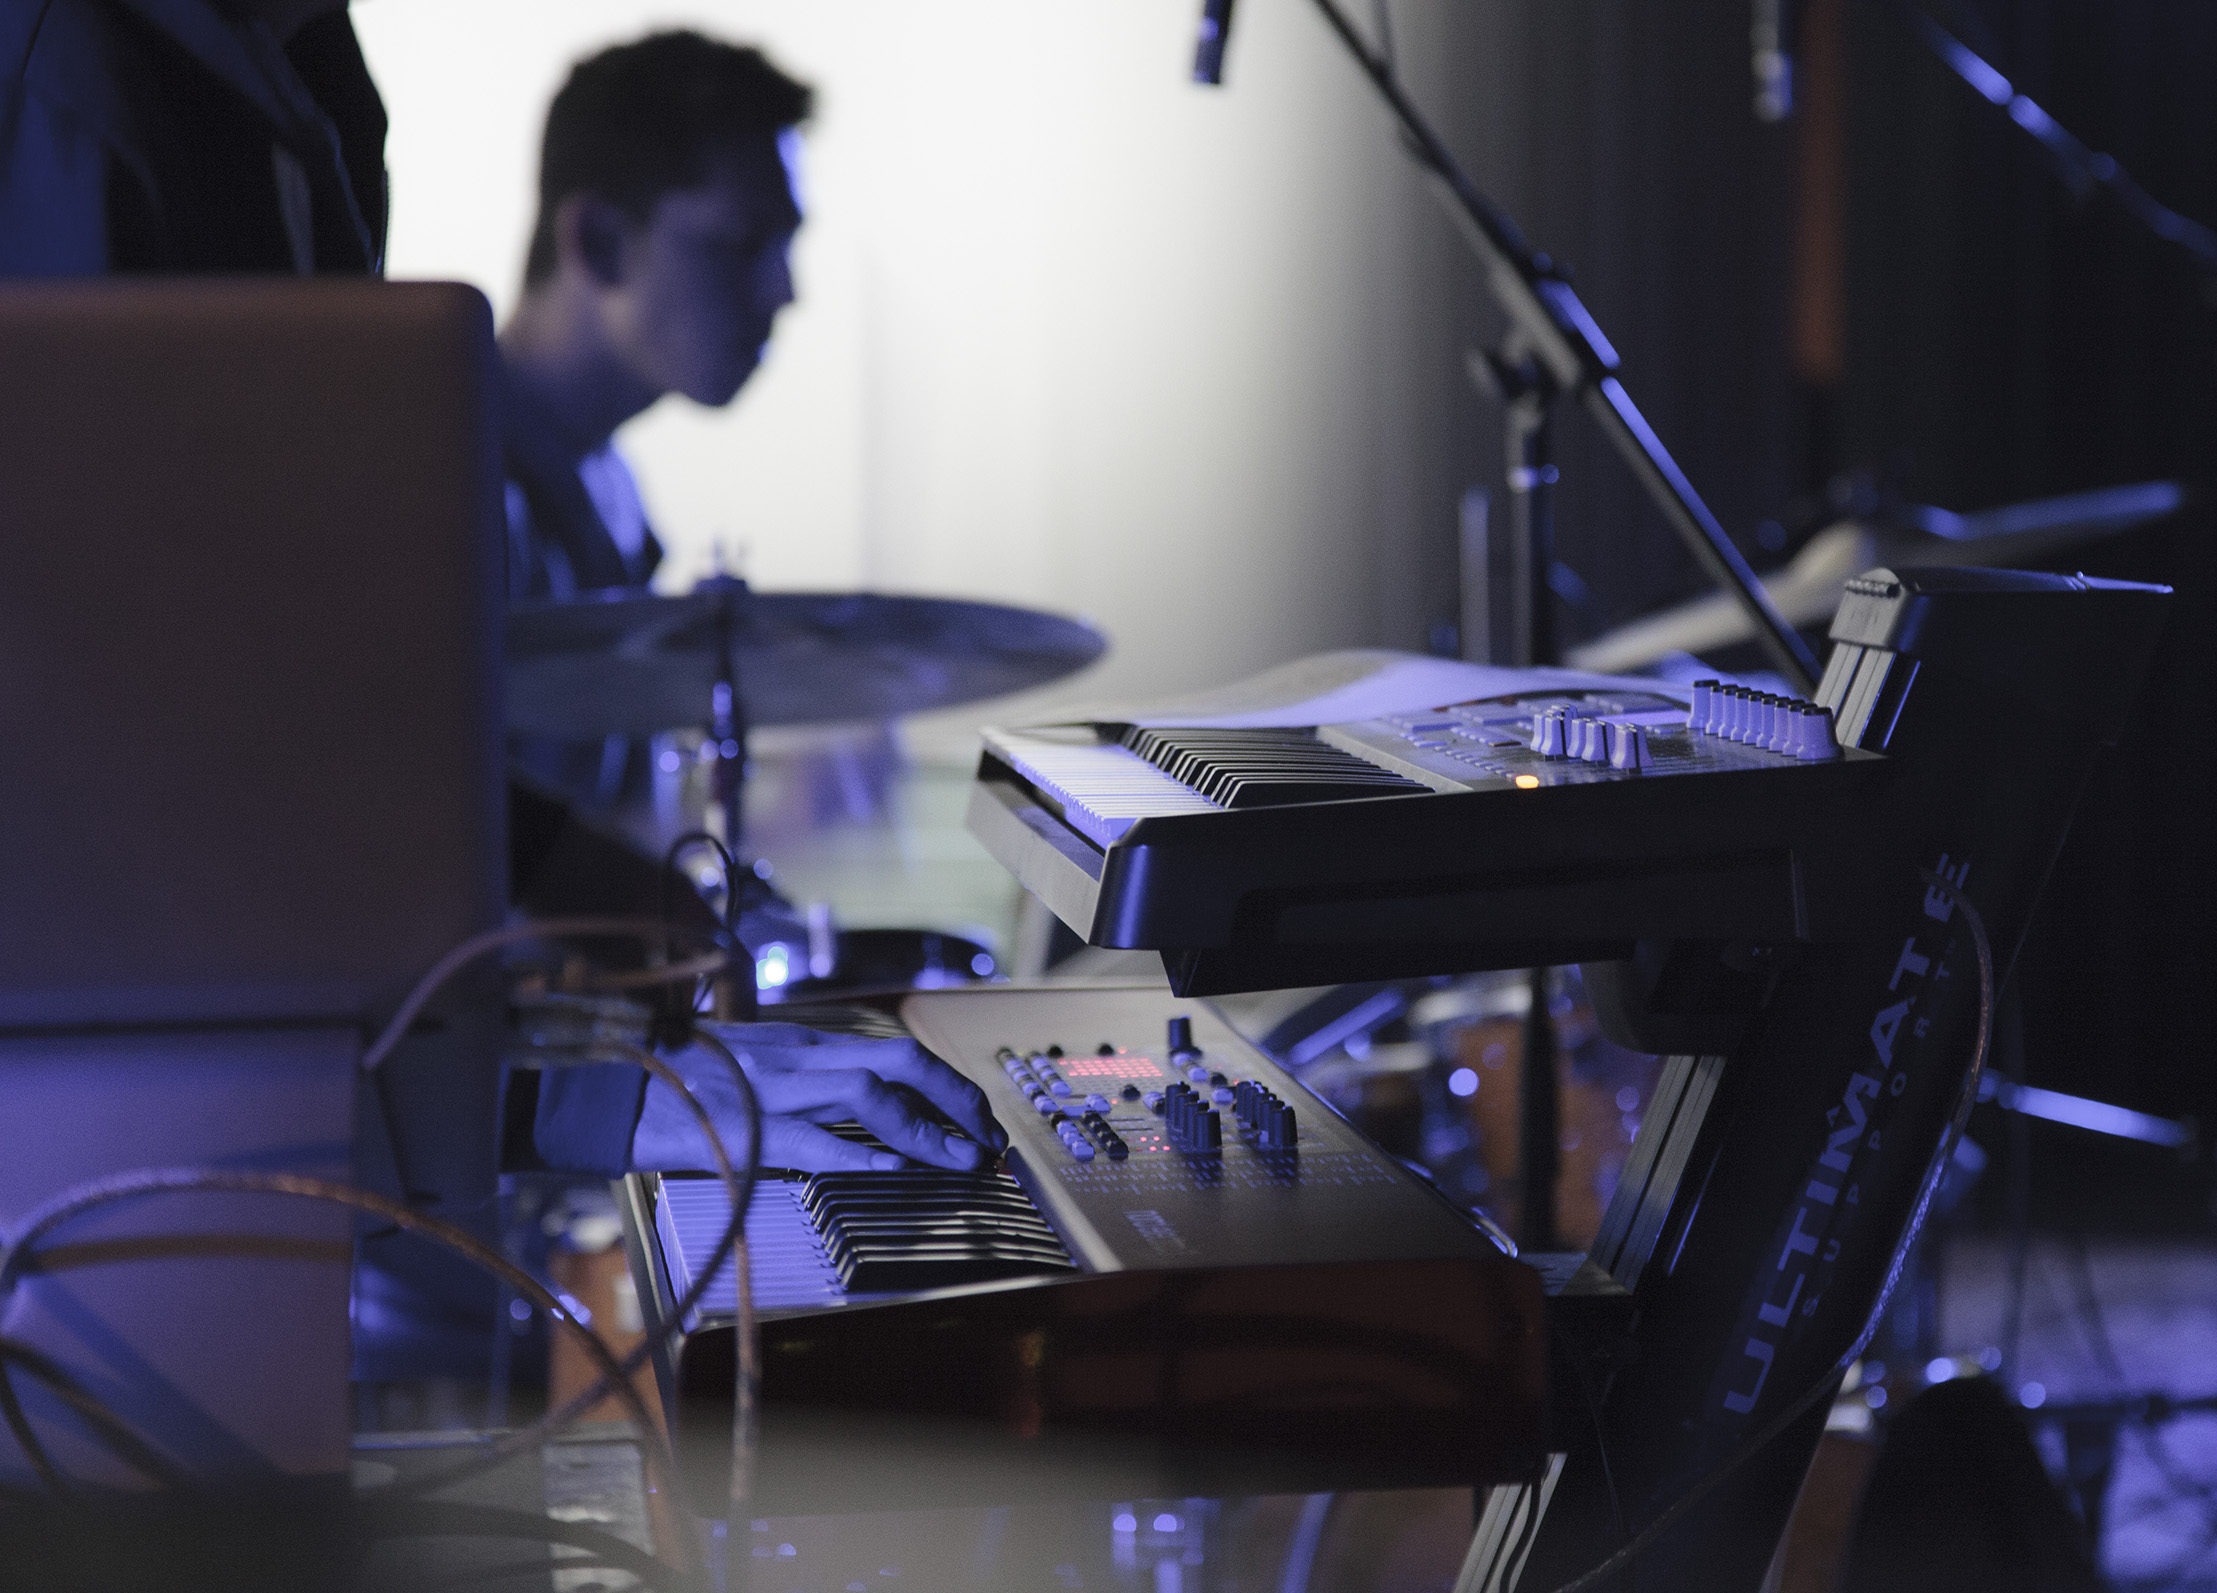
<point x="645" y="119"/>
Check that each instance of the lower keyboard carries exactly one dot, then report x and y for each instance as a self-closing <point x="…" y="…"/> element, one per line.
<point x="815" y="1241"/>
<point x="1266" y="1306"/>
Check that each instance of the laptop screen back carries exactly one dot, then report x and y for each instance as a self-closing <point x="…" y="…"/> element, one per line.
<point x="250" y="589"/>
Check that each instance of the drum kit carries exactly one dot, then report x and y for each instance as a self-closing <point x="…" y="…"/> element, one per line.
<point x="724" y="659"/>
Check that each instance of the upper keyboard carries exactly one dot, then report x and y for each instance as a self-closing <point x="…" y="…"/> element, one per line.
<point x="1558" y="824"/>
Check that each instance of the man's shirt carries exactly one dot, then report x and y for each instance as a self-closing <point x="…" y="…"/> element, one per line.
<point x="574" y="526"/>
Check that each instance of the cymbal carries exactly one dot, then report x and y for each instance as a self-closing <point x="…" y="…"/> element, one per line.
<point x="630" y="662"/>
<point x="1808" y="589"/>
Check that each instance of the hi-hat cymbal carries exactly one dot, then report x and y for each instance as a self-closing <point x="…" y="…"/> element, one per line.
<point x="629" y="662"/>
<point x="1808" y="589"/>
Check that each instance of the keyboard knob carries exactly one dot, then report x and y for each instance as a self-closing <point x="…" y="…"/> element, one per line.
<point x="1813" y="740"/>
<point x="1547" y="734"/>
<point x="1704" y="698"/>
<point x="1181" y="1037"/>
<point x="1778" y="731"/>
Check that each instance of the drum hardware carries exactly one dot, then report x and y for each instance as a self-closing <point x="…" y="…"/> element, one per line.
<point x="1900" y="536"/>
<point x="635" y="663"/>
<point x="723" y="660"/>
<point x="727" y="709"/>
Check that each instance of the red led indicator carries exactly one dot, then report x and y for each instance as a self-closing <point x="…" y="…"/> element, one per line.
<point x="1111" y="1067"/>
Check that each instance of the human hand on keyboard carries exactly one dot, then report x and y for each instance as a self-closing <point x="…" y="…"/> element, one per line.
<point x="894" y="1088"/>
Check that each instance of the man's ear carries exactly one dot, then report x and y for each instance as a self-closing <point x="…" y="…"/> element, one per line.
<point x="590" y="229"/>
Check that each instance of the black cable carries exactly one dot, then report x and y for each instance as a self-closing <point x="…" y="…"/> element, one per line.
<point x="26" y="1436"/>
<point x="746" y="1391"/>
<point x="420" y="1518"/>
<point x="1824" y="1386"/>
<point x="109" y="1428"/>
<point x="144" y="1182"/>
<point x="614" y="1377"/>
<point x="643" y="929"/>
<point x="677" y="849"/>
<point x="2018" y="1129"/>
<point x="732" y="1241"/>
<point x="730" y="1246"/>
<point x="730" y="867"/>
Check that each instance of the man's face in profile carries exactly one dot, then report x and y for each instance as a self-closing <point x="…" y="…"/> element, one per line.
<point x="707" y="275"/>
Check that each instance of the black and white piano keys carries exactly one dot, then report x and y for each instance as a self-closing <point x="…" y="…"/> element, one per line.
<point x="815" y="1241"/>
<point x="1107" y="778"/>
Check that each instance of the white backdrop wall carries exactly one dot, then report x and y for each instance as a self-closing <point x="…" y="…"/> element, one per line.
<point x="1073" y="332"/>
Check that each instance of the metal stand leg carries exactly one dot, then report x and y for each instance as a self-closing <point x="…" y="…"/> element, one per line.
<point x="727" y="722"/>
<point x="727" y="733"/>
<point x="1528" y="397"/>
<point x="1539" y="1124"/>
<point x="1530" y="427"/>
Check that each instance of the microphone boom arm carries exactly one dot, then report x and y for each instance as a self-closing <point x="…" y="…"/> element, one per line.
<point x="1561" y="335"/>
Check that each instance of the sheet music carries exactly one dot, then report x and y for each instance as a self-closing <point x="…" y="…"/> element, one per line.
<point x="1355" y="683"/>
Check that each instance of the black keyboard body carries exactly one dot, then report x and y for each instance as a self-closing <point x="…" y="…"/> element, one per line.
<point x="1425" y="843"/>
<point x="1273" y="1305"/>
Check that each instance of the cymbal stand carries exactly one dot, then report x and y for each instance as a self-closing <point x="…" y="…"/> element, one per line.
<point x="727" y="735"/>
<point x="727" y="712"/>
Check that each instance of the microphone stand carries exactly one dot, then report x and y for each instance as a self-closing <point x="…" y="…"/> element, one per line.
<point x="1554" y="349"/>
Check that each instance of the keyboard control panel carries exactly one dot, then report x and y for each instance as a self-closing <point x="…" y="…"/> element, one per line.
<point x="1556" y="738"/>
<point x="1150" y="1133"/>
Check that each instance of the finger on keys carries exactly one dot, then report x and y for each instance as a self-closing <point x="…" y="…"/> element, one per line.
<point x="906" y="1062"/>
<point x="895" y="1114"/>
<point x="805" y="1148"/>
<point x="740" y="1035"/>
